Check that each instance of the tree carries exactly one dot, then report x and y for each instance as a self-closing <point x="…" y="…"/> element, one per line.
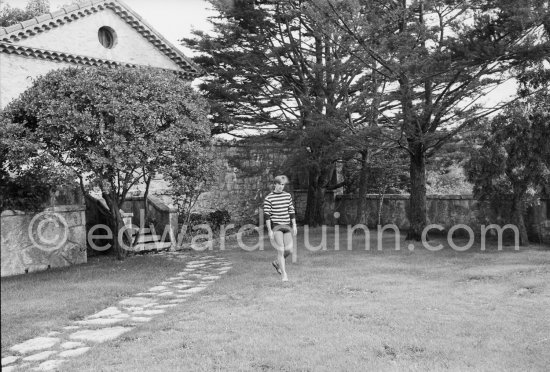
<point x="440" y="58"/>
<point x="10" y="16"/>
<point x="109" y="127"/>
<point x="272" y="68"/>
<point x="514" y="157"/>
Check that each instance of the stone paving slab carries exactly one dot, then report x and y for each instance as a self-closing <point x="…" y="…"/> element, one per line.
<point x="72" y="345"/>
<point x="136" y="301"/>
<point x="99" y="335"/>
<point x="39" y="356"/>
<point x="50" y="365"/>
<point x="8" y="360"/>
<point x="77" y="338"/>
<point x="74" y="352"/>
<point x="35" y="344"/>
<point x="110" y="311"/>
<point x="99" y="321"/>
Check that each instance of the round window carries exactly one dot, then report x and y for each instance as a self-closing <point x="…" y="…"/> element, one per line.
<point x="107" y="37"/>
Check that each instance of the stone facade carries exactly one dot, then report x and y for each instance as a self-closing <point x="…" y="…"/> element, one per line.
<point x="54" y="237"/>
<point x="444" y="210"/>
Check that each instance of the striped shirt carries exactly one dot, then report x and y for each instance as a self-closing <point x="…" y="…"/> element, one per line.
<point x="279" y="208"/>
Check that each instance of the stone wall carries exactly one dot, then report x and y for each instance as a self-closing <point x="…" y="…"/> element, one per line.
<point x="55" y="237"/>
<point x="445" y="210"/>
<point x="244" y="179"/>
<point x="244" y="174"/>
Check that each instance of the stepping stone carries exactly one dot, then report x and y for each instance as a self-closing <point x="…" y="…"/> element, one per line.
<point x="165" y="294"/>
<point x="193" y="290"/>
<point x="9" y="360"/>
<point x="165" y="306"/>
<point x="174" y="278"/>
<point x="211" y="277"/>
<point x="99" y="321"/>
<point x="100" y="335"/>
<point x="53" y="333"/>
<point x="40" y="356"/>
<point x="149" y="312"/>
<point x="177" y="301"/>
<point x="144" y="294"/>
<point x="110" y="311"/>
<point x="141" y="319"/>
<point x="74" y="352"/>
<point x="165" y="283"/>
<point x="71" y="327"/>
<point x="121" y="316"/>
<point x="72" y="345"/>
<point x="50" y="365"/>
<point x="187" y="281"/>
<point x="133" y="308"/>
<point x="35" y="344"/>
<point x="150" y="305"/>
<point x="181" y="286"/>
<point x="136" y="301"/>
<point x="158" y="288"/>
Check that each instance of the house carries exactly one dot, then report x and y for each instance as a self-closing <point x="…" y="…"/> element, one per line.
<point x="93" y="33"/>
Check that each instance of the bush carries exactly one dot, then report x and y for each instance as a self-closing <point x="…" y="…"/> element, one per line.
<point x="215" y="219"/>
<point x="218" y="218"/>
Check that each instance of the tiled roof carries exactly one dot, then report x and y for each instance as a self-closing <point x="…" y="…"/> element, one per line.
<point x="70" y="13"/>
<point x="55" y="56"/>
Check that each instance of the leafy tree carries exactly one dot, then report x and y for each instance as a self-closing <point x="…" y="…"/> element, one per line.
<point x="10" y="16"/>
<point x="108" y="127"/>
<point x="514" y="158"/>
<point x="440" y="58"/>
<point x="271" y="67"/>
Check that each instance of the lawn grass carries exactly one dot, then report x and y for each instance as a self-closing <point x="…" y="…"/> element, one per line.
<point x="33" y="304"/>
<point x="346" y="311"/>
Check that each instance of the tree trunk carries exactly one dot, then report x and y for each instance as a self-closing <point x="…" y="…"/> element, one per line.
<point x="417" y="201"/>
<point x="314" y="215"/>
<point x="145" y="202"/>
<point x="117" y="223"/>
<point x="381" y="204"/>
<point x="362" y="202"/>
<point x="517" y="219"/>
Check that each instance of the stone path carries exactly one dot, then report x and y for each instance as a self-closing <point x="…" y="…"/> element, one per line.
<point x="47" y="352"/>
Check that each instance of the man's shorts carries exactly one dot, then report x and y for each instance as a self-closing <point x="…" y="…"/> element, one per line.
<point x="284" y="228"/>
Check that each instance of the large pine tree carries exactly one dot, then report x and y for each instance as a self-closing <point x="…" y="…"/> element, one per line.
<point x="277" y="66"/>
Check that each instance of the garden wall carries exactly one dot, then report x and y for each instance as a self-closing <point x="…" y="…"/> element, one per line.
<point x="244" y="174"/>
<point x="445" y="210"/>
<point x="38" y="241"/>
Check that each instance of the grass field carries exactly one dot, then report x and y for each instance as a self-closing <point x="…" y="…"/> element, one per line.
<point x="341" y="311"/>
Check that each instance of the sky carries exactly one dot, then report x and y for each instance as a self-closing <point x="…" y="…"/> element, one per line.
<point x="174" y="19"/>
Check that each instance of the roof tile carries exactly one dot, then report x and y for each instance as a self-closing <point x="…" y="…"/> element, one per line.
<point x="28" y="22"/>
<point x="71" y="8"/>
<point x="57" y="13"/>
<point x="14" y="27"/>
<point x="43" y="17"/>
